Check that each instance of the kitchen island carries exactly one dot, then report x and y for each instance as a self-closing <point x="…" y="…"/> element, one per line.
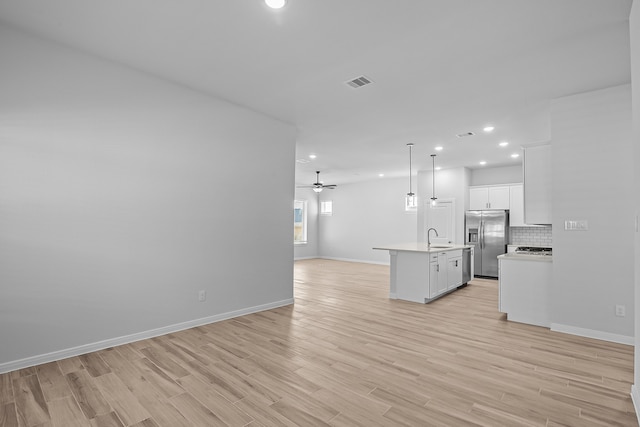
<point x="422" y="274"/>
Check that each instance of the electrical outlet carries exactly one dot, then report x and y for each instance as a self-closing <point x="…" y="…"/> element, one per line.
<point x="621" y="310"/>
<point x="202" y="295"/>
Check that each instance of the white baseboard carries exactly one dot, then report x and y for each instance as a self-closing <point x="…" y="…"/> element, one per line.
<point x="591" y="333"/>
<point x="355" y="260"/>
<point x="113" y="342"/>
<point x="635" y="397"/>
<point x="304" y="257"/>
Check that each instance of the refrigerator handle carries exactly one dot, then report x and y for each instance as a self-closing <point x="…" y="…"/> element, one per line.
<point x="481" y="233"/>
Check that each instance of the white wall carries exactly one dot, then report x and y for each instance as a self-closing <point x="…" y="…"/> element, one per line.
<point x="450" y="184"/>
<point x="634" y="23"/>
<point x="121" y="196"/>
<point x="366" y="215"/>
<point x="497" y="175"/>
<point x="592" y="168"/>
<point x="310" y="249"/>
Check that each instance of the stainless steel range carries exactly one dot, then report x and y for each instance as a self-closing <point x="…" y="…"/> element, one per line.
<point x="534" y="250"/>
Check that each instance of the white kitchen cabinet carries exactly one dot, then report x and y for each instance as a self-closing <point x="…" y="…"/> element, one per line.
<point x="524" y="283"/>
<point x="492" y="197"/>
<point x="478" y="197"/>
<point x="420" y="274"/>
<point x="537" y="184"/>
<point x="445" y="272"/>
<point x="516" y="205"/>
<point x="454" y="271"/>
<point x="437" y="274"/>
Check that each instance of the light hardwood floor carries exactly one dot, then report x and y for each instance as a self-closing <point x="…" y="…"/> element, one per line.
<point x="343" y="355"/>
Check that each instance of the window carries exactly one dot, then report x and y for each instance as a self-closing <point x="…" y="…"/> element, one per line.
<point x="326" y="207"/>
<point x="299" y="222"/>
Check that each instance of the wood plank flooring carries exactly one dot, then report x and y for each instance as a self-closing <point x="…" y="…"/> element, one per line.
<point x="343" y="355"/>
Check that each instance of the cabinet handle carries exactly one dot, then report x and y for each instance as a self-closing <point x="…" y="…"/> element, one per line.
<point x="438" y="268"/>
<point x="456" y="263"/>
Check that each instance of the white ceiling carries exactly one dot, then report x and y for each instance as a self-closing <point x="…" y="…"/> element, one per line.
<point x="440" y="67"/>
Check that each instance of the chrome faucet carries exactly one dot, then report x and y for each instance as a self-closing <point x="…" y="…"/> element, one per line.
<point x="429" y="236"/>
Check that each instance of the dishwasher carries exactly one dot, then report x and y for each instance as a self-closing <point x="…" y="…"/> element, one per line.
<point x="466" y="266"/>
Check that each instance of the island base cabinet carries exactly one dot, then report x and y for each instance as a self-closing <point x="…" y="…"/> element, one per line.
<point x="422" y="276"/>
<point x="438" y="274"/>
<point x="454" y="272"/>
<point x="412" y="276"/>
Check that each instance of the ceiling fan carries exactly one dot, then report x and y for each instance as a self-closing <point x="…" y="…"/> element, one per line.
<point x="318" y="186"/>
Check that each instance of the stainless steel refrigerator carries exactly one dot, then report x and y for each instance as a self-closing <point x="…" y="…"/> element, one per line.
<point x="488" y="232"/>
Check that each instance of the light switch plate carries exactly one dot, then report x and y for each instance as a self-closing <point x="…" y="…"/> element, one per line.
<point x="576" y="225"/>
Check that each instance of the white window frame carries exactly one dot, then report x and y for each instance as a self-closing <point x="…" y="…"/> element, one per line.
<point x="326" y="207"/>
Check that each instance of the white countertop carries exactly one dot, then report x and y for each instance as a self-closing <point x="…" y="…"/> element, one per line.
<point x="526" y="257"/>
<point x="421" y="247"/>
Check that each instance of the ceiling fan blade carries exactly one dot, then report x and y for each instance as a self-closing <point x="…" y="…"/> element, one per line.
<point x="318" y="185"/>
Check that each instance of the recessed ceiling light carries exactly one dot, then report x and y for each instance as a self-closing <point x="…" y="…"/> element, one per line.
<point x="312" y="156"/>
<point x="439" y="148"/>
<point x="275" y="4"/>
<point x="380" y="175"/>
<point x="483" y="163"/>
<point x="438" y="168"/>
<point x="515" y="155"/>
<point x="488" y="128"/>
<point x="503" y="144"/>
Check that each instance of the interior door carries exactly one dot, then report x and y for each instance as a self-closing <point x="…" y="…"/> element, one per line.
<point x="441" y="217"/>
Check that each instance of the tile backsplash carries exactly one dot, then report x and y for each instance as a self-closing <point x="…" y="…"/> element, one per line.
<point x="530" y="236"/>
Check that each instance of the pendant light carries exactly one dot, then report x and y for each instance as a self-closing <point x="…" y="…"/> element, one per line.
<point x="433" y="192"/>
<point x="411" y="201"/>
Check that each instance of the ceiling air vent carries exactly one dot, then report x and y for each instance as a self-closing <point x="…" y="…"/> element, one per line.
<point x="462" y="135"/>
<point x="359" y="82"/>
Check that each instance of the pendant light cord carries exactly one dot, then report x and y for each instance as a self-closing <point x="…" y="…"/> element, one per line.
<point x="410" y="188"/>
<point x="433" y="191"/>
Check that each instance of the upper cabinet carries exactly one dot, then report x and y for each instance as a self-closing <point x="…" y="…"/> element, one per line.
<point x="516" y="207"/>
<point x="516" y="202"/>
<point x="537" y="184"/>
<point x="493" y="197"/>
